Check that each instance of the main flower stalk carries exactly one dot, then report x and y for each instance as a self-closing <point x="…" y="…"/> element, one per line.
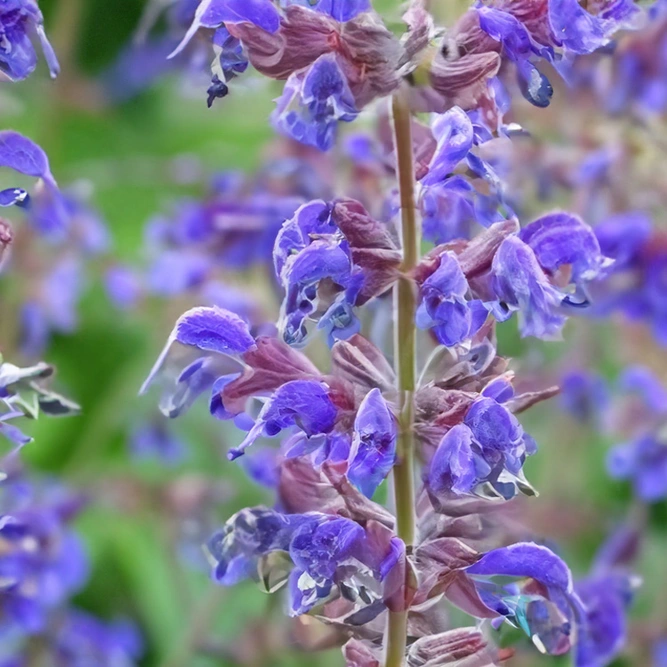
<point x="405" y="360"/>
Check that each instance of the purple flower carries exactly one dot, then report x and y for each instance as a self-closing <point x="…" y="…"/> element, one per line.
<point x="302" y="403"/>
<point x="82" y="639"/>
<point x="585" y="396"/>
<point x="205" y="344"/>
<point x="519" y="46"/>
<point x="139" y="65"/>
<point x="313" y="102"/>
<point x="373" y="451"/>
<point x="42" y="561"/>
<point x="644" y="462"/>
<point x="578" y="31"/>
<point x="24" y="156"/>
<point x="525" y="267"/>
<point x="9" y="431"/>
<point x="644" y="383"/>
<point x="605" y="598"/>
<point x="544" y="605"/>
<point x="660" y="653"/>
<point x="448" y="210"/>
<point x="622" y="237"/>
<point x="154" y="440"/>
<point x="19" y="21"/>
<point x="50" y="213"/>
<point x="54" y="307"/>
<point x="483" y="455"/>
<point x="215" y="13"/>
<point x="324" y="551"/>
<point x="330" y="257"/>
<point x="448" y="202"/>
<point x="230" y="63"/>
<point x="124" y="286"/>
<point x="339" y="10"/>
<point x="176" y="271"/>
<point x="446" y="307"/>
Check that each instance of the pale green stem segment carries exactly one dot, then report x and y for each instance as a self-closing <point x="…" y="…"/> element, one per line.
<point x="405" y="354"/>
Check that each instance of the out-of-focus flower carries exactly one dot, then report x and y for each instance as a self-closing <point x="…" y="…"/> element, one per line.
<point x="585" y="396"/>
<point x="51" y="305"/>
<point x="643" y="460"/>
<point x="154" y="440"/>
<point x="42" y="561"/>
<point x="82" y="639"/>
<point x="124" y="286"/>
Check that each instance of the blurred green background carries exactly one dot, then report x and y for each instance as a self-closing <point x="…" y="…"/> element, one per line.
<point x="129" y="154"/>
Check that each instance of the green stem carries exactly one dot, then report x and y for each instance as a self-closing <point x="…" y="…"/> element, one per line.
<point x="405" y="354"/>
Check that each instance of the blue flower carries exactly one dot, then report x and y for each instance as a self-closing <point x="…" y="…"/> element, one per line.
<point x="544" y="604"/>
<point x="340" y="10"/>
<point x="524" y="269"/>
<point x="42" y="562"/>
<point x="448" y="210"/>
<point x="330" y="257"/>
<point x="644" y="462"/>
<point x="53" y="307"/>
<point x="83" y="639"/>
<point x="154" y="440"/>
<point x="9" y="431"/>
<point x="19" y="20"/>
<point x="579" y="32"/>
<point x="585" y="396"/>
<point x="484" y="454"/>
<point x="305" y="404"/>
<point x="313" y="102"/>
<point x="215" y="13"/>
<point x="446" y="307"/>
<point x="205" y="344"/>
<point x="26" y="157"/>
<point x="448" y="202"/>
<point x="373" y="451"/>
<point x="230" y="63"/>
<point x="124" y="286"/>
<point x="324" y="552"/>
<point x="519" y="46"/>
<point x="605" y="597"/>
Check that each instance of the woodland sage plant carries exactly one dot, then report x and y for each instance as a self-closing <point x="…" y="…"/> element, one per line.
<point x="377" y="409"/>
<point x="435" y="413"/>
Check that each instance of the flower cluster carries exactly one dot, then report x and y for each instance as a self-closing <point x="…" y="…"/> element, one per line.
<point x="637" y="413"/>
<point x="72" y="233"/>
<point x="43" y="565"/>
<point x="371" y="401"/>
<point x="345" y="424"/>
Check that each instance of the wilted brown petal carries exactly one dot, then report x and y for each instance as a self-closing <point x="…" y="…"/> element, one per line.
<point x="362" y="363"/>
<point x="268" y="366"/>
<point x="303" y="488"/>
<point x="463" y="647"/>
<point x="359" y="653"/>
